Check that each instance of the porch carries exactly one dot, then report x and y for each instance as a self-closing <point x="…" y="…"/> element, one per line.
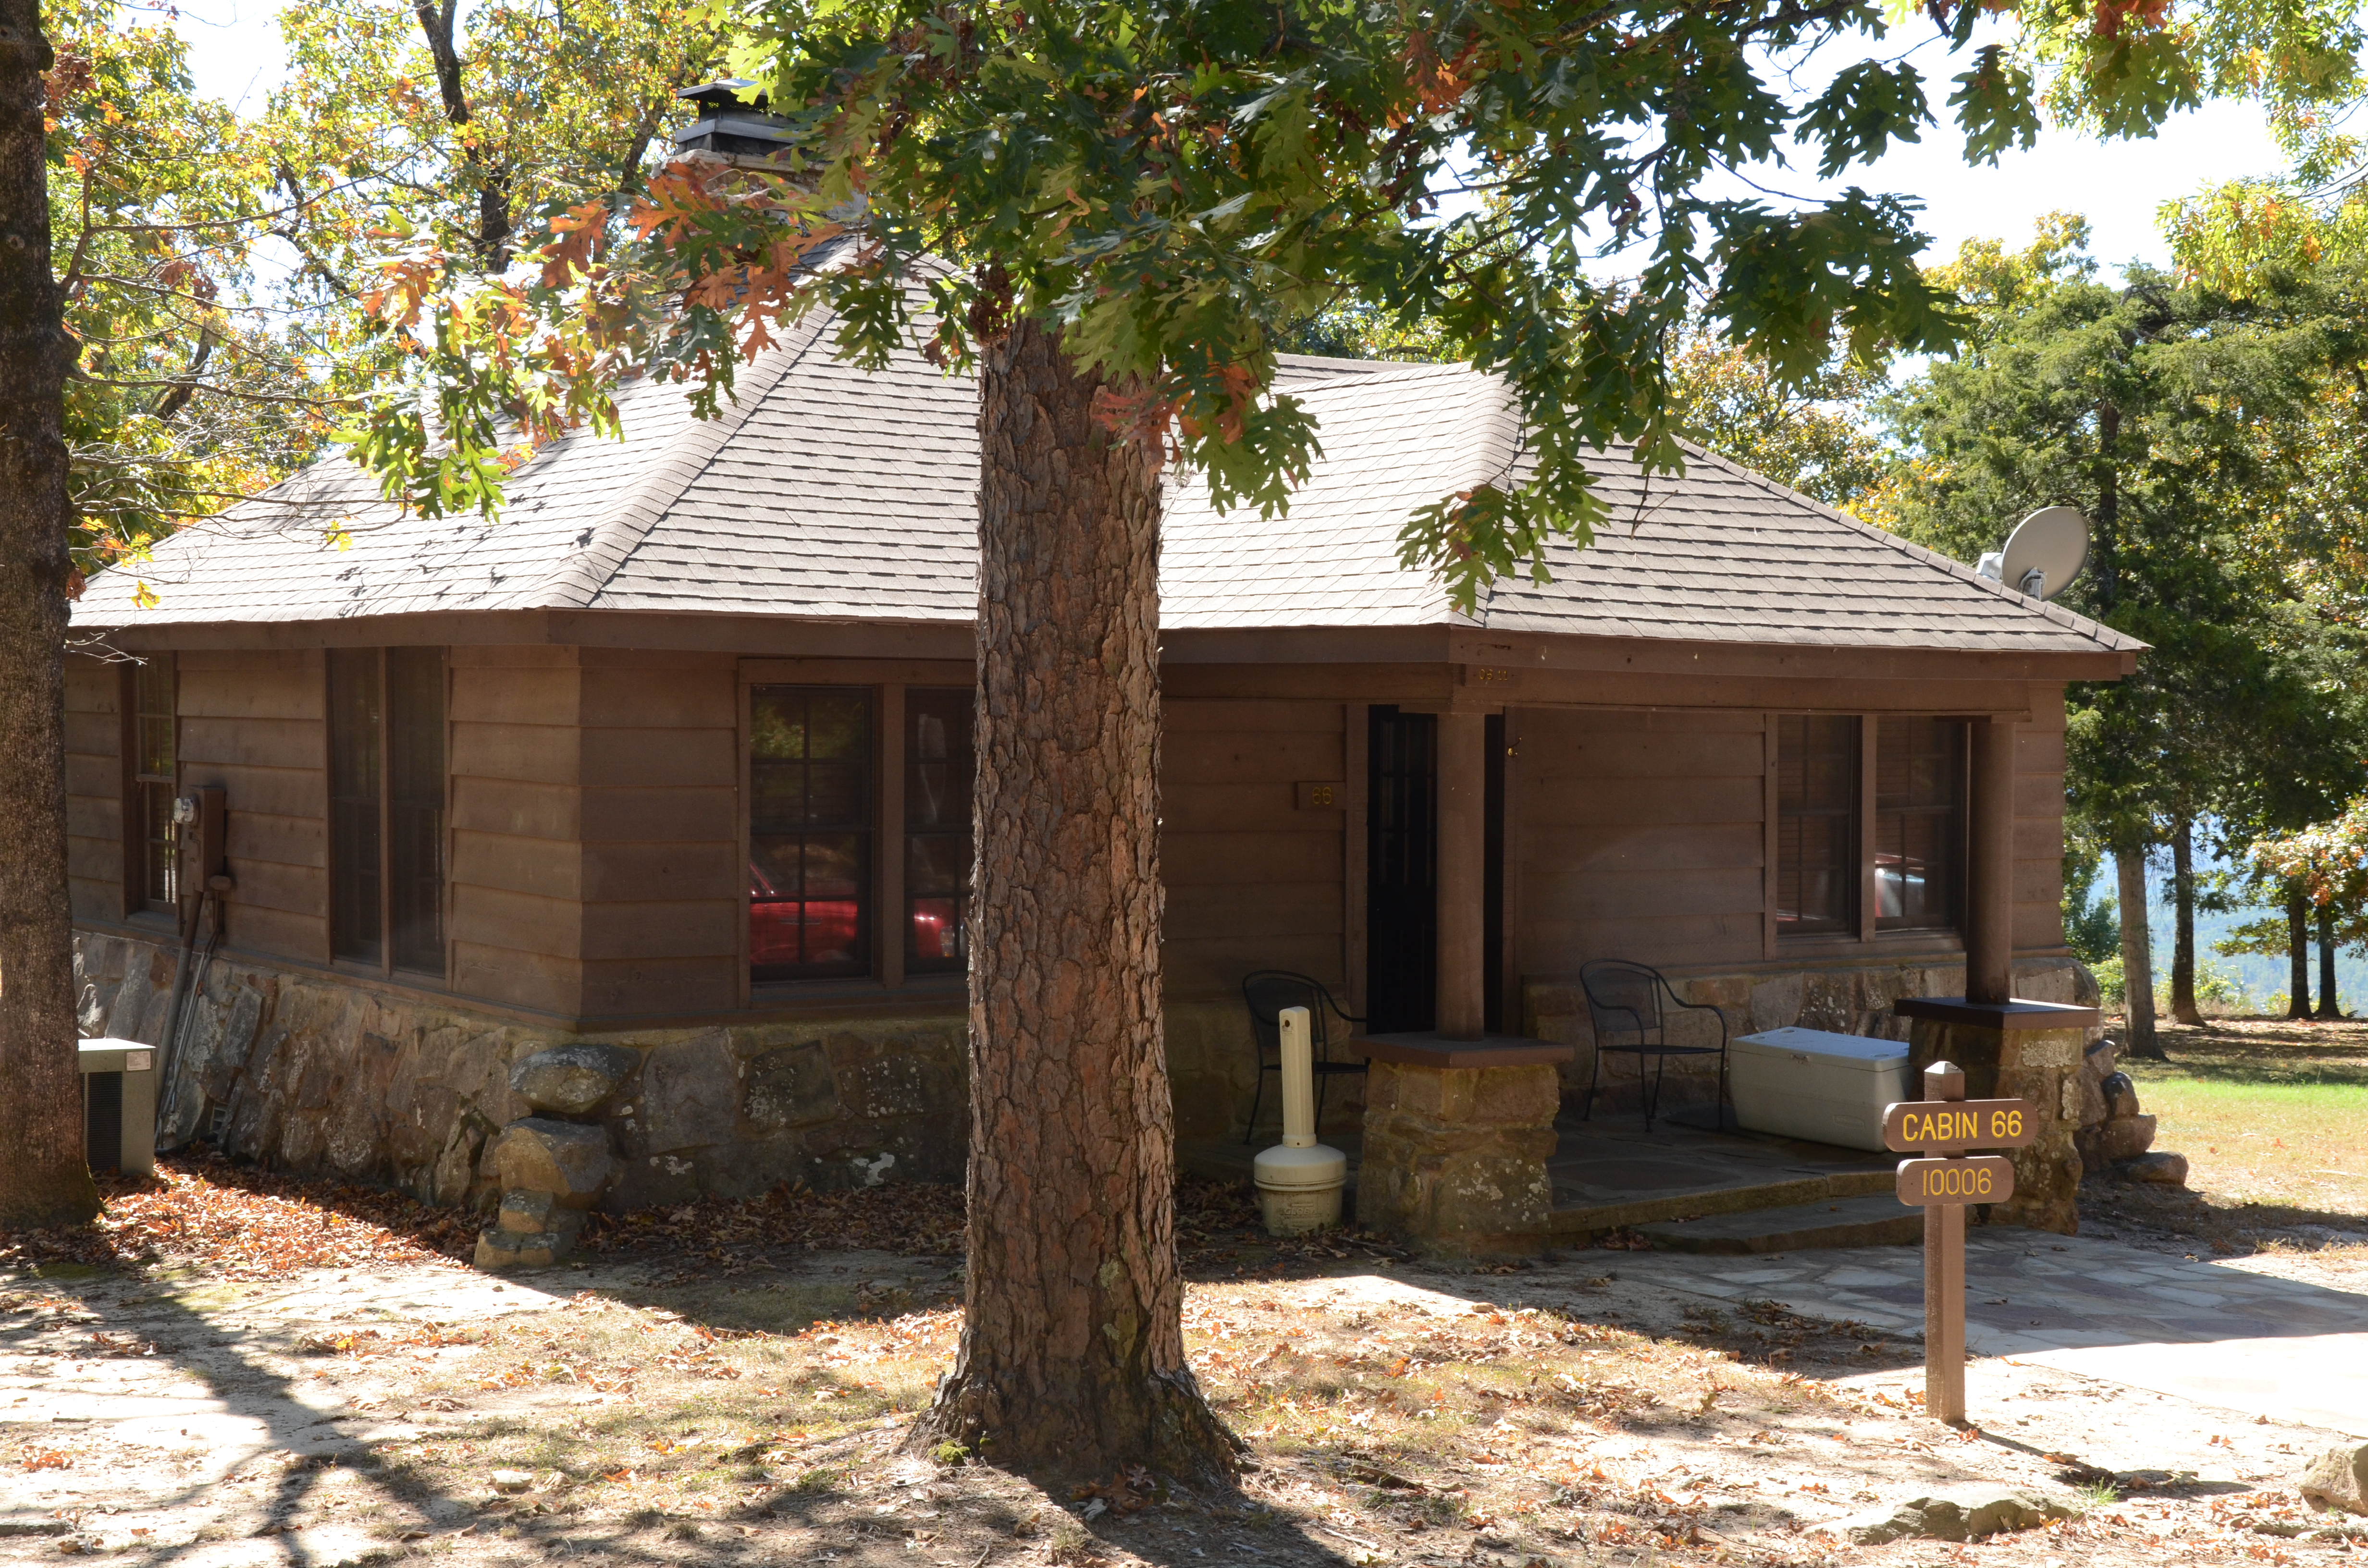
<point x="1682" y="1187"/>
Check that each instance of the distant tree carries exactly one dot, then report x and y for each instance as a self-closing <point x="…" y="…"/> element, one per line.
<point x="2165" y="413"/>
<point x="1813" y="433"/>
<point x="2092" y="925"/>
<point x="2325" y="869"/>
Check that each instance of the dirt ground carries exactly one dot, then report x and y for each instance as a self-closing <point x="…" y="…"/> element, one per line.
<point x="318" y="1385"/>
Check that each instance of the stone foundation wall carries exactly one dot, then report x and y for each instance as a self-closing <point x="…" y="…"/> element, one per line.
<point x="316" y="1075"/>
<point x="1852" y="997"/>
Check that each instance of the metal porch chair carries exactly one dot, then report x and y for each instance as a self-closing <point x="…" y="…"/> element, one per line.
<point x="1623" y="1001"/>
<point x="1268" y="991"/>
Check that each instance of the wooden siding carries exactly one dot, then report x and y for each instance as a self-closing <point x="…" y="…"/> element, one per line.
<point x="1644" y="835"/>
<point x="254" y="722"/>
<point x="94" y="787"/>
<point x="1253" y="882"/>
<point x="2039" y="825"/>
<point x="594" y="830"/>
<point x="1637" y="835"/>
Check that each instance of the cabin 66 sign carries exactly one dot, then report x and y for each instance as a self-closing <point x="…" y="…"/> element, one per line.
<point x="1948" y="1129"/>
<point x="1943" y="1127"/>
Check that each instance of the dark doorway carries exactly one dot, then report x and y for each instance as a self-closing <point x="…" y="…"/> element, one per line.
<point x="1401" y="871"/>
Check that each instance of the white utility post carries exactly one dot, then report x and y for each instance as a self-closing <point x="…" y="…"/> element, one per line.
<point x="1299" y="1180"/>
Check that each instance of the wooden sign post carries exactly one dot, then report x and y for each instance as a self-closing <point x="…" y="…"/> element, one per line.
<point x="1943" y="1127"/>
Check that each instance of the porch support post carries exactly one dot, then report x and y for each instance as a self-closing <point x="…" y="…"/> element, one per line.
<point x="1462" y="879"/>
<point x="1989" y="857"/>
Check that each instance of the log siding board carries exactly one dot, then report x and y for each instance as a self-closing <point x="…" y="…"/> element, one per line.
<point x="1253" y="882"/>
<point x="95" y="772"/>
<point x="1610" y="868"/>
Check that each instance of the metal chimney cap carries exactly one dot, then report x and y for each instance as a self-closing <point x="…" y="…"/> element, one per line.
<point x="725" y="93"/>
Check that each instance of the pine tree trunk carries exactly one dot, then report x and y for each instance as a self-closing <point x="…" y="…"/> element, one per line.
<point x="43" y="1180"/>
<point x="2137" y="952"/>
<point x="2182" y="947"/>
<point x="1072" y="1358"/>
<point x="2297" y="954"/>
<point x="2328" y="1007"/>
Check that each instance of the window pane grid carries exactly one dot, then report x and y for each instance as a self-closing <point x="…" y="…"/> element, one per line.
<point x="415" y="862"/>
<point x="1816" y="829"/>
<point x="357" y="894"/>
<point x="157" y="867"/>
<point x="940" y="765"/>
<point x="1919" y="823"/>
<point x="810" y="832"/>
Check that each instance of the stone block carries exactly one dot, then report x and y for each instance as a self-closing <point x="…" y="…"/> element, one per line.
<point x="572" y="1080"/>
<point x="2338" y="1479"/>
<point x="570" y="1161"/>
<point x="499" y="1249"/>
<point x="888" y="1086"/>
<point x="689" y="1093"/>
<point x="1776" y="1004"/>
<point x="2124" y="1138"/>
<point x="2161" y="1165"/>
<point x="2119" y="1094"/>
<point x="538" y="1213"/>
<point x="791" y="1087"/>
<point x="1454" y="1158"/>
<point x="653" y="1181"/>
<point x="454" y="1173"/>
<point x="1969" y="1516"/>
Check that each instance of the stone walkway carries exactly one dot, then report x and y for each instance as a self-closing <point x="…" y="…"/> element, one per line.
<point x="2206" y="1331"/>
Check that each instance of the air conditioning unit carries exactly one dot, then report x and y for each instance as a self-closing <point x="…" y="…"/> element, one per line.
<point x="119" y="1098"/>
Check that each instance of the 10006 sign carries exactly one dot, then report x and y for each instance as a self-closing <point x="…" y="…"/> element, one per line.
<point x="1984" y="1178"/>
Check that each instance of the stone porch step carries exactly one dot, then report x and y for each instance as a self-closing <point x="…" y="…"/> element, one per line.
<point x="1578" y="1223"/>
<point x="1864" y="1221"/>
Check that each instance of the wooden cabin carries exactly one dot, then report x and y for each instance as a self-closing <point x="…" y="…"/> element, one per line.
<point x="676" y="755"/>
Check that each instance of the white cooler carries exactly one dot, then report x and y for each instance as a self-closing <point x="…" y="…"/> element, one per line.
<point x="1830" y="1089"/>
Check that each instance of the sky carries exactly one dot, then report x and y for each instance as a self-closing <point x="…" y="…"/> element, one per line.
<point x="235" y="55"/>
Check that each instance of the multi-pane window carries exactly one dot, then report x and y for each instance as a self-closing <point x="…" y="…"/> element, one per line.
<point x="154" y="874"/>
<point x="1817" y="824"/>
<point x="810" y="832"/>
<point x="939" y="763"/>
<point x="1919" y="825"/>
<point x="386" y="807"/>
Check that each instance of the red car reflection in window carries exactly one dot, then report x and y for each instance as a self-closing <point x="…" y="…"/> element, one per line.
<point x="937" y="933"/>
<point x="786" y="930"/>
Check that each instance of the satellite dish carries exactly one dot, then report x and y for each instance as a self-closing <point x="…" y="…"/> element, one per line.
<point x="2044" y="555"/>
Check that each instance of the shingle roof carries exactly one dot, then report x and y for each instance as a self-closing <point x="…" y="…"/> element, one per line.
<point x="833" y="493"/>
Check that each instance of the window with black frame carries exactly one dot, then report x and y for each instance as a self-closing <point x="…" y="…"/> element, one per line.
<point x="1919" y="823"/>
<point x="386" y="807"/>
<point x="810" y="832"/>
<point x="940" y="766"/>
<point x="1817" y="825"/>
<point x="153" y="883"/>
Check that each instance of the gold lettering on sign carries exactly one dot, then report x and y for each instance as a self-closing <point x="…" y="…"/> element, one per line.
<point x="1489" y="675"/>
<point x="1320" y="796"/>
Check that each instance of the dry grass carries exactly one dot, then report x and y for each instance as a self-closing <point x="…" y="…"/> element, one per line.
<point x="2272" y="1116"/>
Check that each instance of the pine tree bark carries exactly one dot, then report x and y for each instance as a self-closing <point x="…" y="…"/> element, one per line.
<point x="43" y="1178"/>
<point x="1072" y="1357"/>
<point x="2137" y="952"/>
<point x="2183" y="946"/>
<point x="2328" y="1007"/>
<point x="2297" y="954"/>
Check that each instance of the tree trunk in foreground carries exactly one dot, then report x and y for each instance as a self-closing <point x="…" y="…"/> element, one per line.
<point x="2298" y="953"/>
<point x="2328" y="1007"/>
<point x="2183" y="945"/>
<point x="43" y="1180"/>
<point x="2137" y="951"/>
<point x="1072" y="1359"/>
